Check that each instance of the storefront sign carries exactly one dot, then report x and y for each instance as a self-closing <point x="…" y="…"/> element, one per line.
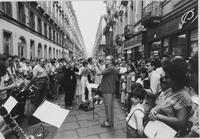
<point x="140" y="28"/>
<point x="189" y="17"/>
<point x="134" y="41"/>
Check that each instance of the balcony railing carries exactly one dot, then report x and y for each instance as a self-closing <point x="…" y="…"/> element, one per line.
<point x="151" y="14"/>
<point x="119" y="39"/>
<point x="152" y="9"/>
<point x="128" y="31"/>
<point x="124" y="3"/>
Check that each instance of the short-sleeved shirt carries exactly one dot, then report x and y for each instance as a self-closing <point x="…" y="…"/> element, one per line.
<point x="174" y="102"/>
<point x="195" y="116"/>
<point x="38" y="71"/>
<point x="195" y="121"/>
<point x="137" y="110"/>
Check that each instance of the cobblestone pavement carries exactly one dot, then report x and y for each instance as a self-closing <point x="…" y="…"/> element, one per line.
<point x="80" y="124"/>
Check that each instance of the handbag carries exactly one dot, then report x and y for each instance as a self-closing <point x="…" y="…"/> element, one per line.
<point x="132" y="132"/>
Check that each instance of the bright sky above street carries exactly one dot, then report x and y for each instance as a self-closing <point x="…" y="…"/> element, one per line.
<point x="88" y="13"/>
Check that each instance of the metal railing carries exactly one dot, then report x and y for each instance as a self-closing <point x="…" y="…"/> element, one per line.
<point x="152" y="9"/>
<point x="129" y="29"/>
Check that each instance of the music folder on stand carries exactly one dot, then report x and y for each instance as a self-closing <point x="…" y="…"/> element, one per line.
<point x="93" y="87"/>
<point x="43" y="113"/>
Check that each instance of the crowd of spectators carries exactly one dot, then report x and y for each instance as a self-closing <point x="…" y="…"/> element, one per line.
<point x="158" y="89"/>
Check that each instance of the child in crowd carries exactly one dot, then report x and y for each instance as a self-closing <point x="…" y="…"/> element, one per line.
<point x="135" y="117"/>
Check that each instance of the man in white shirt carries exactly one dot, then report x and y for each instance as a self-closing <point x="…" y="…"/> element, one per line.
<point x="154" y="88"/>
<point x="39" y="70"/>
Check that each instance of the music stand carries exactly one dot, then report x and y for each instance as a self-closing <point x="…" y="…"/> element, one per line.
<point x="93" y="87"/>
<point x="44" y="132"/>
<point x="42" y="113"/>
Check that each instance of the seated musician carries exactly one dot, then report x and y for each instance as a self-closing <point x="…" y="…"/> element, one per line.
<point x="4" y="130"/>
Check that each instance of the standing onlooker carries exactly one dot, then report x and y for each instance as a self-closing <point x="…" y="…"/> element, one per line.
<point x="130" y="80"/>
<point x="123" y="74"/>
<point x="78" y="86"/>
<point x="91" y="68"/>
<point x="108" y="87"/>
<point x="143" y="77"/>
<point x="153" y="87"/>
<point x="84" y="72"/>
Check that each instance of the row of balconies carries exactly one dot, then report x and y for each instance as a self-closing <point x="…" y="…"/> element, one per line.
<point x="151" y="17"/>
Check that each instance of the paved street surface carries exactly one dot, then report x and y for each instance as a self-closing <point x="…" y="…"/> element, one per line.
<point x="80" y="124"/>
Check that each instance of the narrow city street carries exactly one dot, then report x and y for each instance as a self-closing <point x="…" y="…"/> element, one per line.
<point x="59" y="60"/>
<point x="81" y="124"/>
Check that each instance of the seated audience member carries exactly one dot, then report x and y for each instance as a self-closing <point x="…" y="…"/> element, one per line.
<point x="193" y="76"/>
<point x="175" y="108"/>
<point x="135" y="117"/>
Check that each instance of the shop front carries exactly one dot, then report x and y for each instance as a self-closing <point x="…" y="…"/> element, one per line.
<point x="174" y="36"/>
<point x="134" y="48"/>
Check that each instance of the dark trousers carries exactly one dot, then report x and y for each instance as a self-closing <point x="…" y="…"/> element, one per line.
<point x="69" y="95"/>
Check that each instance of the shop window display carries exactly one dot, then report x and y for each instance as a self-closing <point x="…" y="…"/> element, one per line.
<point x="194" y="42"/>
<point x="178" y="45"/>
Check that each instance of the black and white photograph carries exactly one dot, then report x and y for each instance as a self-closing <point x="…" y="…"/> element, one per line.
<point x="99" y="69"/>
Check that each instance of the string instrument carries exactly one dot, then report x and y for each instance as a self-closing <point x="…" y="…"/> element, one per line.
<point x="21" y="95"/>
<point x="13" y="125"/>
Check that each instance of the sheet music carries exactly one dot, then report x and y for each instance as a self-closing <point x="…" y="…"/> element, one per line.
<point x="51" y="113"/>
<point x="10" y="104"/>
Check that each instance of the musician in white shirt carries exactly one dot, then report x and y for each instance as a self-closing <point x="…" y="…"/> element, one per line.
<point x="39" y="70"/>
